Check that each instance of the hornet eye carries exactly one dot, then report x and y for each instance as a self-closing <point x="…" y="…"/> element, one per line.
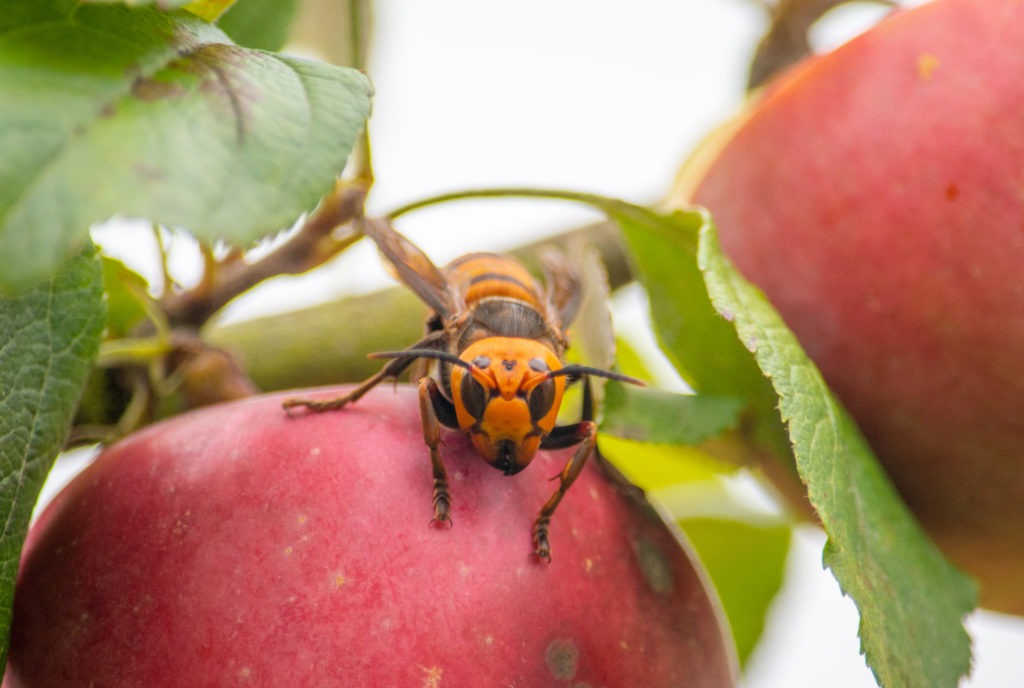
<point x="474" y="397"/>
<point x="542" y="397"/>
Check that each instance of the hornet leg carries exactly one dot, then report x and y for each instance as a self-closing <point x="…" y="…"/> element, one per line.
<point x="432" y="405"/>
<point x="583" y="434"/>
<point x="393" y="369"/>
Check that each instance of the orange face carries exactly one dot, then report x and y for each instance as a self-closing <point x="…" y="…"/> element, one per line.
<point x="507" y="400"/>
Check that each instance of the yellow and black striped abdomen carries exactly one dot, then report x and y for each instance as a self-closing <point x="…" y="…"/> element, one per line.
<point x="486" y="275"/>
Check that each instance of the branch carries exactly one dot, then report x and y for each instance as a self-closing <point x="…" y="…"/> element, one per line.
<point x="313" y="244"/>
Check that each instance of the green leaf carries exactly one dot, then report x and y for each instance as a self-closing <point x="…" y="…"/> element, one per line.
<point x="161" y="4"/>
<point x="49" y="336"/>
<point x="208" y="10"/>
<point x="126" y="291"/>
<point x="746" y="561"/>
<point x="629" y="361"/>
<point x="700" y="343"/>
<point x="912" y="602"/>
<point x="106" y="109"/>
<point x="660" y="466"/>
<point x="654" y="415"/>
<point x="262" y="24"/>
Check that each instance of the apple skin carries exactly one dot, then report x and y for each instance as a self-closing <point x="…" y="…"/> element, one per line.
<point x="236" y="545"/>
<point x="876" y="195"/>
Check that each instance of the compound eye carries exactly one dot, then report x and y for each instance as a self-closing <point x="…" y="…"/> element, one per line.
<point x="542" y="398"/>
<point x="540" y="365"/>
<point x="474" y="396"/>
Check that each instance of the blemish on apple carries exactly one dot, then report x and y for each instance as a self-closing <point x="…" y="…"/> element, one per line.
<point x="562" y="658"/>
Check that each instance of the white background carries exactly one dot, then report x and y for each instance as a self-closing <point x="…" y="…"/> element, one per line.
<point x="604" y="97"/>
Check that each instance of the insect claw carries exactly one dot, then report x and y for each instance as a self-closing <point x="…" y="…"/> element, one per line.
<point x="442" y="507"/>
<point x="441" y="515"/>
<point x="289" y="404"/>
<point x="541" y="543"/>
<point x="315" y="406"/>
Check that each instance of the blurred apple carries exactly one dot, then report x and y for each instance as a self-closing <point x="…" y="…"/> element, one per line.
<point x="876" y="195"/>
<point x="238" y="546"/>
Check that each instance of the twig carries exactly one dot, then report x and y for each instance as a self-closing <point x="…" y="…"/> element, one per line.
<point x="313" y="244"/>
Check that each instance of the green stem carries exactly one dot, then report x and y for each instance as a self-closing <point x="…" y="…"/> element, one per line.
<point x="360" y="29"/>
<point x="615" y="208"/>
<point x="131" y="351"/>
<point x="603" y="203"/>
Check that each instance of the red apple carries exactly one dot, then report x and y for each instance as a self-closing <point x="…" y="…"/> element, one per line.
<point x="876" y="195"/>
<point x="238" y="546"/>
